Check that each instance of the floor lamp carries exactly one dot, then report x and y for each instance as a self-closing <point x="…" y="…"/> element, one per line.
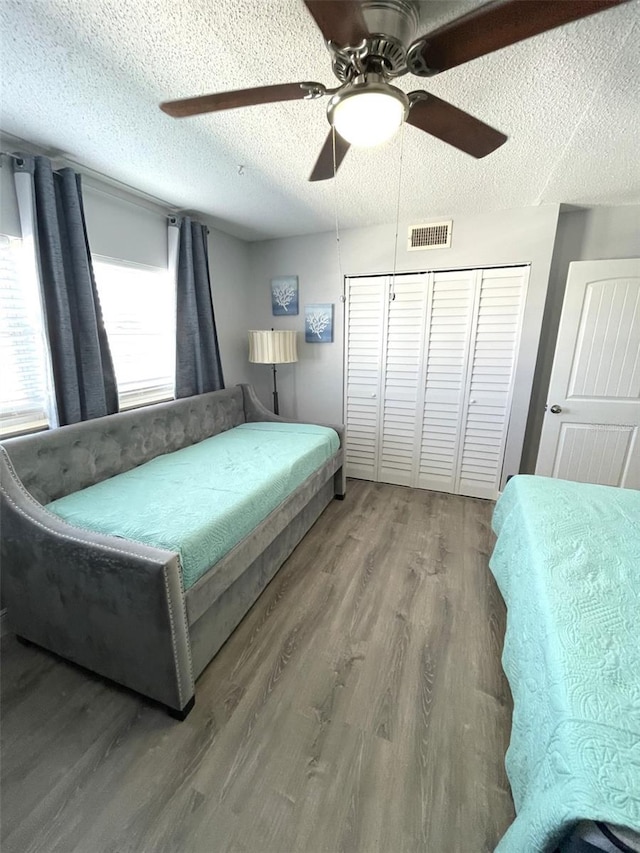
<point x="273" y="347"/>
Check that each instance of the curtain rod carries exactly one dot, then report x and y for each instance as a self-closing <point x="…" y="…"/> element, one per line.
<point x="97" y="176"/>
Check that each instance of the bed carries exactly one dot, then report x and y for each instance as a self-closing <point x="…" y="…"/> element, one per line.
<point x="567" y="561"/>
<point x="135" y="543"/>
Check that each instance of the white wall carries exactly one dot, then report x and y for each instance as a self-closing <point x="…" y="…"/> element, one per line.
<point x="9" y="218"/>
<point x="229" y="267"/>
<point x="312" y="389"/>
<point x="605" y="232"/>
<point x="583" y="235"/>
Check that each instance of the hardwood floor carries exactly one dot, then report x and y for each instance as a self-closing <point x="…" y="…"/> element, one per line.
<point x="360" y="706"/>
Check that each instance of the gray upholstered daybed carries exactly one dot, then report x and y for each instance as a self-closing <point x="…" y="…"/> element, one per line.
<point x="119" y="607"/>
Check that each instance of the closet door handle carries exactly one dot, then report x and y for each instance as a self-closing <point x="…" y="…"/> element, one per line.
<point x="373" y="396"/>
<point x="472" y="401"/>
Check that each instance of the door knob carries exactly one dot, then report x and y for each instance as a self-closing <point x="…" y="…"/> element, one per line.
<point x="555" y="409"/>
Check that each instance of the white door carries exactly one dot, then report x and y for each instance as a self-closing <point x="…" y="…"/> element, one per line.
<point x="473" y="336"/>
<point x="401" y="380"/>
<point x="590" y="430"/>
<point x="495" y="342"/>
<point x="383" y="364"/>
<point x="448" y="333"/>
<point x="364" y="350"/>
<point x="429" y="377"/>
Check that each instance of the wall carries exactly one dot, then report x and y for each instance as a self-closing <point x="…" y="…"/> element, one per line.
<point x="9" y="218"/>
<point x="229" y="266"/>
<point x="583" y="235"/>
<point x="312" y="389"/>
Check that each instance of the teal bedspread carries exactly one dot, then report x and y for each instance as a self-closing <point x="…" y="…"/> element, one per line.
<point x="202" y="500"/>
<point x="567" y="561"/>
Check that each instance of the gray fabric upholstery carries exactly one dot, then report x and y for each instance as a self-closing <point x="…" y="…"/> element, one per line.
<point x="255" y="411"/>
<point x="217" y="623"/>
<point x="210" y="586"/>
<point x="116" y="606"/>
<point x="58" y="462"/>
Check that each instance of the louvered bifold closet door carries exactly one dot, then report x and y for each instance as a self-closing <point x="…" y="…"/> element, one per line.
<point x="365" y="313"/>
<point x="494" y="347"/>
<point x="448" y="331"/>
<point x="402" y="394"/>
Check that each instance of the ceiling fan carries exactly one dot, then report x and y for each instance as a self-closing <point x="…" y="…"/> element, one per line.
<point x="374" y="41"/>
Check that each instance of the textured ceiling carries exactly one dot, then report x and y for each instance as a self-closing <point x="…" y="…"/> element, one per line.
<point x="84" y="78"/>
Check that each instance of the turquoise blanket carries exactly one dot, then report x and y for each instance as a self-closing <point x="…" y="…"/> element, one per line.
<point x="567" y="562"/>
<point x="202" y="500"/>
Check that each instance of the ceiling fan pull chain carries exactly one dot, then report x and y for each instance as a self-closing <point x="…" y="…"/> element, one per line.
<point x="343" y="297"/>
<point x="395" y="250"/>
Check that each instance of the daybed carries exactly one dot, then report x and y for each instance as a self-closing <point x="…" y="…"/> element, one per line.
<point x="118" y="606"/>
<point x="567" y="561"/>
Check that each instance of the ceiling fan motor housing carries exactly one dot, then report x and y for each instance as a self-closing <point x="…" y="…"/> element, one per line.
<point x="392" y="25"/>
<point x="397" y="19"/>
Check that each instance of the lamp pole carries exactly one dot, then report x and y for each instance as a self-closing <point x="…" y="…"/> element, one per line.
<point x="276" y="410"/>
<point x="272" y="347"/>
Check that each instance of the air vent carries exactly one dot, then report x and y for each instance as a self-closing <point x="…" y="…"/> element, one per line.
<point x="434" y="235"/>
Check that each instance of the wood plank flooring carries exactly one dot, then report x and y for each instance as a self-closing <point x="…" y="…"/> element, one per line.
<point x="359" y="708"/>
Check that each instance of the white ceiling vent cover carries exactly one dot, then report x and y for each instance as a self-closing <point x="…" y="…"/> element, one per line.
<point x="432" y="235"/>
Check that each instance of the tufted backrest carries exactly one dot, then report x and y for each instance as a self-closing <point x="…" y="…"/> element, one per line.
<point x="57" y="462"/>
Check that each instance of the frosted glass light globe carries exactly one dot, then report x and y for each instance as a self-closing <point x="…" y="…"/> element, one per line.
<point x="368" y="118"/>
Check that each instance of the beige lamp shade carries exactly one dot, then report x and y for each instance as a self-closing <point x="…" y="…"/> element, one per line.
<point x="272" y="347"/>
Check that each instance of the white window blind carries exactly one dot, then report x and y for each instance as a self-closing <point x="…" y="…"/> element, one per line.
<point x="24" y="386"/>
<point x="138" y="305"/>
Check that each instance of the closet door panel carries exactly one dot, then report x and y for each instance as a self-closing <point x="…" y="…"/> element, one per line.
<point x="448" y="326"/>
<point x="494" y="350"/>
<point x="401" y="383"/>
<point x="366" y="300"/>
<point x="429" y="377"/>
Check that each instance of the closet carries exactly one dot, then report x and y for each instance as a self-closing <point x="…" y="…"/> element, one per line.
<point x="429" y="366"/>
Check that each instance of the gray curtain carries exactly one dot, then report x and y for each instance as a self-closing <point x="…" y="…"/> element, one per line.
<point x="198" y="367"/>
<point x="83" y="374"/>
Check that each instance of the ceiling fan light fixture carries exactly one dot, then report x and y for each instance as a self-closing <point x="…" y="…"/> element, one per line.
<point x="367" y="113"/>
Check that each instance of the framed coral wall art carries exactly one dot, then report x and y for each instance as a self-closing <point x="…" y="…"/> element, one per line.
<point x="318" y="323"/>
<point x="284" y="295"/>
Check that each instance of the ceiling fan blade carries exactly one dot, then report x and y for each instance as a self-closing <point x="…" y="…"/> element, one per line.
<point x="493" y="26"/>
<point x="340" y="21"/>
<point x="323" y="170"/>
<point x="242" y="98"/>
<point x="452" y="125"/>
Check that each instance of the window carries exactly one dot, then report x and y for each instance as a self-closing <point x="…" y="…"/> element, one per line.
<point x="138" y="305"/>
<point x="24" y="384"/>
